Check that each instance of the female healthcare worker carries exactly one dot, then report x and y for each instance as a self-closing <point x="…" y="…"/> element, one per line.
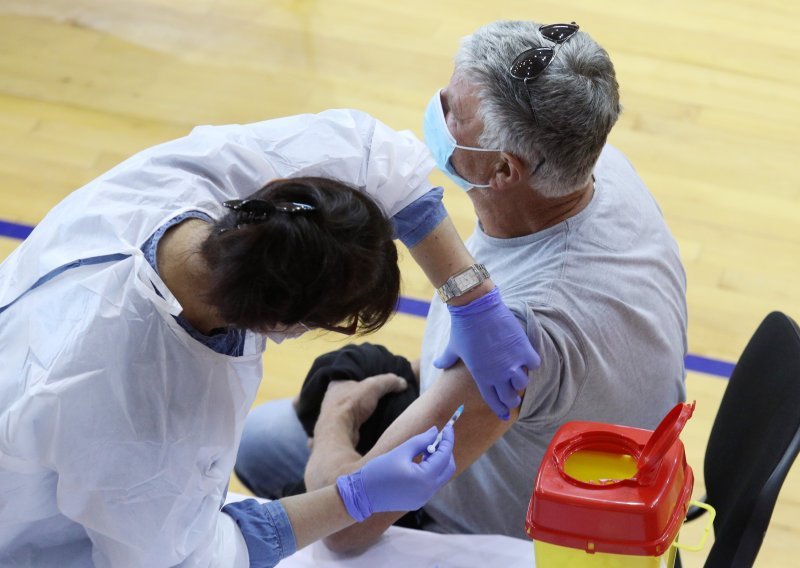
<point x="133" y="319"/>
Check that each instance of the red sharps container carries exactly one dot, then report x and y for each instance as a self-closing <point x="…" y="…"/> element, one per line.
<point x="612" y="496"/>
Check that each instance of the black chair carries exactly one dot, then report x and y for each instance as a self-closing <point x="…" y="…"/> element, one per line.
<point x="753" y="443"/>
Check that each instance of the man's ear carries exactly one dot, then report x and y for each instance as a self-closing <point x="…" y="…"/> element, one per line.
<point x="510" y="171"/>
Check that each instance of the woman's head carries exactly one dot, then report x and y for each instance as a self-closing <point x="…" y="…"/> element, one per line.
<point x="303" y="250"/>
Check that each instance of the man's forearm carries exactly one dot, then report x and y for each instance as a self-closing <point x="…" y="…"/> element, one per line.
<point x="360" y="535"/>
<point x="476" y="431"/>
<point x="333" y="455"/>
<point x="333" y="452"/>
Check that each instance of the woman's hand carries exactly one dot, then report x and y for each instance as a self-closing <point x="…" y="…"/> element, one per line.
<point x="490" y="340"/>
<point x="397" y="480"/>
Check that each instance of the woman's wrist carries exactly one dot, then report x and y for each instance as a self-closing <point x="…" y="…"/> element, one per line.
<point x="480" y="290"/>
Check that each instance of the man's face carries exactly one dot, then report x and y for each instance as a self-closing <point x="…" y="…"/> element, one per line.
<point x="460" y="104"/>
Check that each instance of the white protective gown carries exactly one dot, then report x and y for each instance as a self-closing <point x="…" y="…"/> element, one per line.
<point x="118" y="431"/>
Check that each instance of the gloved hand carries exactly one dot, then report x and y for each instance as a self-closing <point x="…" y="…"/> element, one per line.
<point x="494" y="347"/>
<point x="393" y="482"/>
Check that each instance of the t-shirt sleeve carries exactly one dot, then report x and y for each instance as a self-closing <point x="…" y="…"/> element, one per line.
<point x="554" y="386"/>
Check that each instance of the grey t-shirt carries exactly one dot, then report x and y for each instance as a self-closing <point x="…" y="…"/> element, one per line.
<point x="603" y="298"/>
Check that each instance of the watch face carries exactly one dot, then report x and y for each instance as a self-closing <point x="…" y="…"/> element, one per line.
<point x="466" y="280"/>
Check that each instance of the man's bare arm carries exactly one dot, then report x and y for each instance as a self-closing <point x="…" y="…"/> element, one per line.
<point x="333" y="453"/>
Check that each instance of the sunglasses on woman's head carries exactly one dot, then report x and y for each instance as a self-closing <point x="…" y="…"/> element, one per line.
<point x="261" y="207"/>
<point x="249" y="211"/>
<point x="531" y="63"/>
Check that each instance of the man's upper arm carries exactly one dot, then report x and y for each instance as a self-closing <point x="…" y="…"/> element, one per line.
<point x="476" y="430"/>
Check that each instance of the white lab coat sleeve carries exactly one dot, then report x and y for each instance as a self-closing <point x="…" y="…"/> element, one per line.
<point x="215" y="163"/>
<point x="349" y="146"/>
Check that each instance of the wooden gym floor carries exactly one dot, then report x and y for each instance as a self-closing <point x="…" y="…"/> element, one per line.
<point x="711" y="92"/>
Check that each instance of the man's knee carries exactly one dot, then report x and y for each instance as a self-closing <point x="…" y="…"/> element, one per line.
<point x="273" y="449"/>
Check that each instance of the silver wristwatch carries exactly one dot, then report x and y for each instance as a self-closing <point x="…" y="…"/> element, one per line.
<point x="463" y="282"/>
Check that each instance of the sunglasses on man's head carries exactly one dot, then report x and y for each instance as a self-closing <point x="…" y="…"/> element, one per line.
<point x="532" y="62"/>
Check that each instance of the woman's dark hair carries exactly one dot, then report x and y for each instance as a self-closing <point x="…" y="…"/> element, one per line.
<point x="286" y="263"/>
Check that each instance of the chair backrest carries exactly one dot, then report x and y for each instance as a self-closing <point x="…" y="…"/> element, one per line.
<point x="754" y="441"/>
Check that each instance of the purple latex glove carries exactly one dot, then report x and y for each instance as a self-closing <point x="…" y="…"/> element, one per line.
<point x="494" y="347"/>
<point x="393" y="482"/>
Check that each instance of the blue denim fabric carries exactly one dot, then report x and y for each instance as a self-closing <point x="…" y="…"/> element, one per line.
<point x="229" y="342"/>
<point x="415" y="221"/>
<point x="266" y="530"/>
<point x="273" y="451"/>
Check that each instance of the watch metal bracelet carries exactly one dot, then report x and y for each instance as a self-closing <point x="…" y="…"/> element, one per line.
<point x="462" y="282"/>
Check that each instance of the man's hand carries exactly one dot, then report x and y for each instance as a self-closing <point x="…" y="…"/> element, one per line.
<point x="351" y="403"/>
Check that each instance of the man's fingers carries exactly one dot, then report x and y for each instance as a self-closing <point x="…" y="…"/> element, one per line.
<point x="386" y="383"/>
<point x="377" y="385"/>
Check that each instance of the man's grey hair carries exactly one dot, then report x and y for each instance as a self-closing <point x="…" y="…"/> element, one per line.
<point x="576" y="101"/>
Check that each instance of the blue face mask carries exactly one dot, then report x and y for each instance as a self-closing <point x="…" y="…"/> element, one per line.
<point x="442" y="144"/>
